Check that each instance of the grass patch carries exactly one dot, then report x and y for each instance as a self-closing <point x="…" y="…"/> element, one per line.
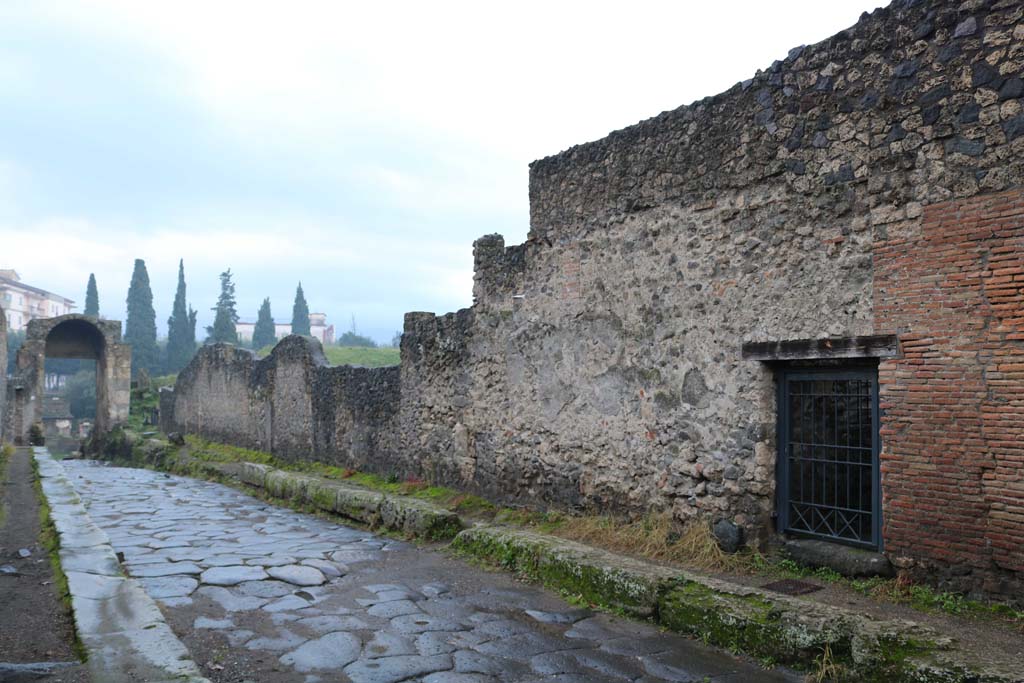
<point x="450" y="499"/>
<point x="50" y="540"/>
<point x="901" y="590"/>
<point x="365" y="356"/>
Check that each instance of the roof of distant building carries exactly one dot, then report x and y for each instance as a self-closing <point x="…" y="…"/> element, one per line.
<point x="16" y="282"/>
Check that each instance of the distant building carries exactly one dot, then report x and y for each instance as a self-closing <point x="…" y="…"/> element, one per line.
<point x="23" y="302"/>
<point x="318" y="328"/>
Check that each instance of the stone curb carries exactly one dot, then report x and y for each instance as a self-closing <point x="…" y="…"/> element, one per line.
<point x="396" y="513"/>
<point x="120" y="626"/>
<point x="758" y="623"/>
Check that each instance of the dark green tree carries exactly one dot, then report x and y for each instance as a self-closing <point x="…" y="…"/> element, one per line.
<point x="92" y="297"/>
<point x="300" y="314"/>
<point x="353" y="338"/>
<point x="264" y="334"/>
<point x="225" y="317"/>
<point x="181" y="328"/>
<point x="140" y="325"/>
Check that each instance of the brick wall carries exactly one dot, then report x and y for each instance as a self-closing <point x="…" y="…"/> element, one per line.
<point x="953" y="404"/>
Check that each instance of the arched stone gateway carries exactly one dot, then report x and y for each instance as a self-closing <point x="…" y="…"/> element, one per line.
<point x="72" y="336"/>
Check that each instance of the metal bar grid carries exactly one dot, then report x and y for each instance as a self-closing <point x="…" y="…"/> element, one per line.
<point x="828" y="437"/>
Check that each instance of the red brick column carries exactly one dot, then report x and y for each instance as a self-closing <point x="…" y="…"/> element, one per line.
<point x="953" y="404"/>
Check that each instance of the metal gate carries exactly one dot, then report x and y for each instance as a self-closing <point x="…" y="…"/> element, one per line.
<point x="828" y="464"/>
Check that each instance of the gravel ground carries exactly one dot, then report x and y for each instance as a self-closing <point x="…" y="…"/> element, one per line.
<point x="35" y="627"/>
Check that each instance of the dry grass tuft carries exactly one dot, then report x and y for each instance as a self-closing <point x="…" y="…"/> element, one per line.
<point x="826" y="668"/>
<point x="655" y="537"/>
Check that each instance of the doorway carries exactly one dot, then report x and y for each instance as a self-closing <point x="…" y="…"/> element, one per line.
<point x="828" y="472"/>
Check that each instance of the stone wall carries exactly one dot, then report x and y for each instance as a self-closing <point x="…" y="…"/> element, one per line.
<point x="290" y="403"/>
<point x="3" y="373"/>
<point x="600" y="366"/>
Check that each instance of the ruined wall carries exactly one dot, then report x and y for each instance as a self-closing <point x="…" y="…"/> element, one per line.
<point x="3" y="374"/>
<point x="602" y="358"/>
<point x="600" y="366"/>
<point x="290" y="403"/>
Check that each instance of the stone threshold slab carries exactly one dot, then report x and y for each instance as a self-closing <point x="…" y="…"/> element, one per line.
<point x="122" y="629"/>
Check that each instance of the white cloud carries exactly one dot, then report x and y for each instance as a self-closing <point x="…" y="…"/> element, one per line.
<point x="339" y="143"/>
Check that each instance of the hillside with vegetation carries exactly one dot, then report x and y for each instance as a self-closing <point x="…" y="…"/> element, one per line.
<point x="365" y="356"/>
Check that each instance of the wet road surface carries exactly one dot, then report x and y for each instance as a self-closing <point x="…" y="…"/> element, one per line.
<point x="262" y="593"/>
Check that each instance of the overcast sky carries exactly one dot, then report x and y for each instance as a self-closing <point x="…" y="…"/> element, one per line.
<point x="357" y="147"/>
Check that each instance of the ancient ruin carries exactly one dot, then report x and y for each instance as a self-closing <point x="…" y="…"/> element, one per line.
<point x="792" y="307"/>
<point x="68" y="336"/>
<point x="3" y="374"/>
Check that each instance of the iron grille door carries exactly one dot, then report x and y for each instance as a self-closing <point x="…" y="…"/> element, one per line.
<point x="829" y="445"/>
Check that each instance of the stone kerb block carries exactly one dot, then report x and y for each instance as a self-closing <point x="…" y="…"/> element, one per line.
<point x="254" y="474"/>
<point x="419" y="519"/>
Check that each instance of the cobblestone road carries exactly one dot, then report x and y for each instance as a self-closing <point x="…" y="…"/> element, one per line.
<point x="261" y="593"/>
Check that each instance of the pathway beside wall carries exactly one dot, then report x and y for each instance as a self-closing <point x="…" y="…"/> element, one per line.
<point x="263" y="593"/>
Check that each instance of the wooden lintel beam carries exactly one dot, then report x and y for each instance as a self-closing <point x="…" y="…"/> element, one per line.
<point x="871" y="346"/>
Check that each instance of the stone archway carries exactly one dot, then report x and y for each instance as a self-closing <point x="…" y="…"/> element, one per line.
<point x="74" y="336"/>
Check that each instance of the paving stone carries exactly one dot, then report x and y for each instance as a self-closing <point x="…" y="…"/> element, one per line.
<point x="384" y="644"/>
<point x="331" y="570"/>
<point x="272" y="561"/>
<point x="524" y="645"/>
<point x="231" y="602"/>
<point x="420" y="623"/>
<point x="394" y="669"/>
<point x="432" y="590"/>
<point x="230" y="576"/>
<point x="452" y="677"/>
<point x="389" y="610"/>
<point x="181" y="601"/>
<point x="298" y="575"/>
<point x="559" y="617"/>
<point x="163" y="569"/>
<point x="286" y="604"/>
<point x="239" y="637"/>
<point x="502" y="628"/>
<point x="330" y="622"/>
<point x="467" y="661"/>
<point x="169" y="586"/>
<point x="329" y="652"/>
<point x="284" y="640"/>
<point x="436" y="643"/>
<point x="223" y="560"/>
<point x="265" y="589"/>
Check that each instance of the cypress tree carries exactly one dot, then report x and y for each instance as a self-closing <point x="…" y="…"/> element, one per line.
<point x="181" y="328"/>
<point x="264" y="334"/>
<point x="300" y="314"/>
<point x="140" y="325"/>
<point x="225" y="318"/>
<point x="92" y="298"/>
